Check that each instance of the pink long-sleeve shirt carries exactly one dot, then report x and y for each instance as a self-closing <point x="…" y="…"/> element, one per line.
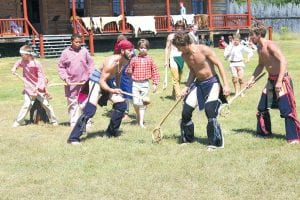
<point x="33" y="75"/>
<point x="75" y="66"/>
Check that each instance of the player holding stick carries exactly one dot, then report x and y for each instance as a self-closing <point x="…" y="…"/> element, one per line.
<point x="278" y="92"/>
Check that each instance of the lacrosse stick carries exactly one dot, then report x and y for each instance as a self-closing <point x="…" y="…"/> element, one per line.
<point x="156" y="133"/>
<point x="224" y="109"/>
<point x="28" y="83"/>
<point x="145" y="100"/>
<point x="165" y="84"/>
<point x="65" y="84"/>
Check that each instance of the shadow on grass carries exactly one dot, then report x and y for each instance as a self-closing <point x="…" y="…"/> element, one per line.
<point x="107" y="113"/>
<point x="64" y="124"/>
<point x="254" y="134"/>
<point x="92" y="135"/>
<point x="177" y="138"/>
<point x="169" y="97"/>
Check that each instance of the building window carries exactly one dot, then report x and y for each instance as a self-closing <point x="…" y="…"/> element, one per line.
<point x="198" y="6"/>
<point x="79" y="7"/>
<point x="116" y="6"/>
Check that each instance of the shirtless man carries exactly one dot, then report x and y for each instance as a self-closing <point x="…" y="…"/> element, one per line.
<point x="99" y="86"/>
<point x="203" y="88"/>
<point x="279" y="85"/>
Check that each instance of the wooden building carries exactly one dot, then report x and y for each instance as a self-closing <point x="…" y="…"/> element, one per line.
<point x="102" y="19"/>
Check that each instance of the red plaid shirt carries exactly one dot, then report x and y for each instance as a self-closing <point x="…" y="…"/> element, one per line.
<point x="142" y="68"/>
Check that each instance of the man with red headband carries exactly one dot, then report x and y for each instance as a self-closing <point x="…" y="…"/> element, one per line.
<point x="100" y="89"/>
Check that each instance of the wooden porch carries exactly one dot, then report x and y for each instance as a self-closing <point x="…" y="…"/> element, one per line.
<point x="108" y="27"/>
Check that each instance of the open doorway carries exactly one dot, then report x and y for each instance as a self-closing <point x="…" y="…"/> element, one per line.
<point x="33" y="9"/>
<point x="199" y="6"/>
<point x="80" y="6"/>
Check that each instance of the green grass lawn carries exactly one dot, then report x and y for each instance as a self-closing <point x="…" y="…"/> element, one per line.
<point x="37" y="163"/>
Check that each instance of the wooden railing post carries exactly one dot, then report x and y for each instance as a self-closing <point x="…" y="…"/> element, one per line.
<point x="270" y="29"/>
<point x="25" y="17"/>
<point x="249" y="13"/>
<point x="74" y="16"/>
<point x="91" y="41"/>
<point x="123" y="16"/>
<point x="210" y="15"/>
<point x="42" y="52"/>
<point x="168" y="15"/>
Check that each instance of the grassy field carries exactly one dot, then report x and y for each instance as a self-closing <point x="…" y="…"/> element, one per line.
<point x="37" y="163"/>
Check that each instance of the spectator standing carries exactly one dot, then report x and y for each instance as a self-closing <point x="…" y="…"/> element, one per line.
<point x="221" y="43"/>
<point x="182" y="8"/>
<point x="202" y="39"/>
<point x="194" y="35"/>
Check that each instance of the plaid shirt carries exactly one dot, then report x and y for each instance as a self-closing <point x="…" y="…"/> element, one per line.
<point x="142" y="68"/>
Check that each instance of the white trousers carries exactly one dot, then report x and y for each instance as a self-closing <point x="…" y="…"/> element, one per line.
<point x="74" y="110"/>
<point x="28" y="102"/>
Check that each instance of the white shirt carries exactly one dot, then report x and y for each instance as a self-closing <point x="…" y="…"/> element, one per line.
<point x="194" y="38"/>
<point x="235" y="53"/>
<point x="182" y="10"/>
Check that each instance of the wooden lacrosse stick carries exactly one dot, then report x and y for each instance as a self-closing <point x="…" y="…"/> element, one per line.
<point x="26" y="82"/>
<point x="44" y="94"/>
<point x="145" y="100"/>
<point x="65" y="84"/>
<point x="156" y="133"/>
<point x="224" y="109"/>
<point x="165" y="84"/>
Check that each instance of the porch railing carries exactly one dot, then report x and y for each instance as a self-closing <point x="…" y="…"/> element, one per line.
<point x="219" y="21"/>
<point x="229" y="21"/>
<point x="80" y="29"/>
<point x="18" y="27"/>
<point x="12" y="27"/>
<point x="161" y="23"/>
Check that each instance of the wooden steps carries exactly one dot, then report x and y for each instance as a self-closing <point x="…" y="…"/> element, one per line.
<point x="53" y="45"/>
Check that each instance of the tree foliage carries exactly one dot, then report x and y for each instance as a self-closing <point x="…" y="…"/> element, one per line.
<point x="277" y="2"/>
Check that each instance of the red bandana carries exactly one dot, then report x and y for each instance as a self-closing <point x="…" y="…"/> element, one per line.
<point x="123" y="44"/>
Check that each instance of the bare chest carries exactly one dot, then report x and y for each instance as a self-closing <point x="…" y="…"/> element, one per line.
<point x="264" y="56"/>
<point x="194" y="59"/>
